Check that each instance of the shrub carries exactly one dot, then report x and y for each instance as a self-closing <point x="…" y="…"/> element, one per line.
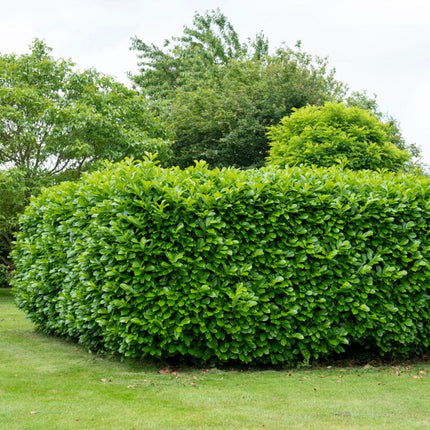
<point x="335" y="134"/>
<point x="259" y="266"/>
<point x="4" y="275"/>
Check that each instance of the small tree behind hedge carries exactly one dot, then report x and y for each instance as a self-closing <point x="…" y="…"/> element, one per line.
<point x="259" y="266"/>
<point x="334" y="134"/>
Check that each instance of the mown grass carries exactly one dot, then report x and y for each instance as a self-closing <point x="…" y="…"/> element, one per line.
<point x="48" y="383"/>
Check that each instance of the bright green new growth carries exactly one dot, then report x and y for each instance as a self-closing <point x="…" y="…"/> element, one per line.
<point x="260" y="266"/>
<point x="334" y="134"/>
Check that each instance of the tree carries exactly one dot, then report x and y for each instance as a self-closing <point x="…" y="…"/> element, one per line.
<point x="223" y="119"/>
<point x="219" y="94"/>
<point x="209" y="43"/>
<point x="56" y="122"/>
<point x="335" y="134"/>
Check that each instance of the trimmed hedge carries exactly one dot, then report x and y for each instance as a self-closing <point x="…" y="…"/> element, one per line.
<point x="260" y="266"/>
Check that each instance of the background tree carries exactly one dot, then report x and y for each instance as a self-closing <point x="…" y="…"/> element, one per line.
<point x="335" y="134"/>
<point x="56" y="122"/>
<point x="219" y="94"/>
<point x="209" y="43"/>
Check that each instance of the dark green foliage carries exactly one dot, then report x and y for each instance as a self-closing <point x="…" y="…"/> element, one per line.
<point x="14" y="194"/>
<point x="222" y="119"/>
<point x="259" y="266"/>
<point x="5" y="267"/>
<point x="336" y="134"/>
<point x="218" y="95"/>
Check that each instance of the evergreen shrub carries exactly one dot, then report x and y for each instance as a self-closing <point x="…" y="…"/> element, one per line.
<point x="334" y="134"/>
<point x="258" y="266"/>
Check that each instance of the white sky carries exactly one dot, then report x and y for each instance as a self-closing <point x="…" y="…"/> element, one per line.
<point x="381" y="46"/>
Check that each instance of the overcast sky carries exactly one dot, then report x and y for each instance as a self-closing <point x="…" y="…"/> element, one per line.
<point x="381" y="46"/>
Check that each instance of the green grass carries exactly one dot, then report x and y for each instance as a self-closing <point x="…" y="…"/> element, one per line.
<point x="48" y="383"/>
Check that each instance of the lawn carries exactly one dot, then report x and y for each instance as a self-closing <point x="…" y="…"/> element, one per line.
<point x="48" y="383"/>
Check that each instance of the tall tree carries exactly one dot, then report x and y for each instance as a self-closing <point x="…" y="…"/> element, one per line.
<point x="211" y="42"/>
<point x="219" y="94"/>
<point x="54" y="120"/>
<point x="223" y="118"/>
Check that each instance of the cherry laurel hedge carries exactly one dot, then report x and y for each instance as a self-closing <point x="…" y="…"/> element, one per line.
<point x="259" y="266"/>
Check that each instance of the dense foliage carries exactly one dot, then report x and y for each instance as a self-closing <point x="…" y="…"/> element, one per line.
<point x="218" y="94"/>
<point x="56" y="122"/>
<point x="335" y="134"/>
<point x="14" y="194"/>
<point x="54" y="119"/>
<point x="259" y="266"/>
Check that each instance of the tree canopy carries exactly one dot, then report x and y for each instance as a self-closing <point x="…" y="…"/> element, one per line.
<point x="335" y="134"/>
<point x="219" y="94"/>
<point x="210" y="43"/>
<point x="54" y="119"/>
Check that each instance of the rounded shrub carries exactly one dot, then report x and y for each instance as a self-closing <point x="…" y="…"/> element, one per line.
<point x="259" y="266"/>
<point x="334" y="134"/>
